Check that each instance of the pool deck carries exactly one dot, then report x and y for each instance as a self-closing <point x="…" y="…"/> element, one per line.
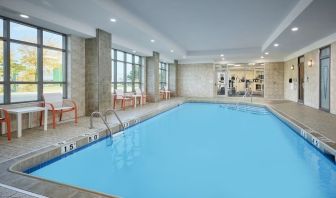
<point x="36" y="140"/>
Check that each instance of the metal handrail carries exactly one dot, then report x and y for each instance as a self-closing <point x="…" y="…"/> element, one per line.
<point x="112" y="110"/>
<point x="93" y="114"/>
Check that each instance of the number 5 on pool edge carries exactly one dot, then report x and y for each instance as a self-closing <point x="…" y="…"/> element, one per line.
<point x="68" y="147"/>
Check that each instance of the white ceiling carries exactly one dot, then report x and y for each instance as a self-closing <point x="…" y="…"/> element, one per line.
<point x="197" y="30"/>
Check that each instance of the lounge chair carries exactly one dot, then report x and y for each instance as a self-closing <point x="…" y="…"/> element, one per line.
<point x="6" y="120"/>
<point x="120" y="96"/>
<point x="56" y="104"/>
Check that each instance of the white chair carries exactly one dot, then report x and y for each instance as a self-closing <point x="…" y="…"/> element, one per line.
<point x="140" y="93"/>
<point x="119" y="95"/>
<point x="165" y="92"/>
<point x="56" y="104"/>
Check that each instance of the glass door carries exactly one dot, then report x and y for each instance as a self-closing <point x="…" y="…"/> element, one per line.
<point x="324" y="78"/>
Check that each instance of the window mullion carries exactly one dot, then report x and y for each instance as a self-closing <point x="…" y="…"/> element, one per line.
<point x="39" y="64"/>
<point x="6" y="63"/>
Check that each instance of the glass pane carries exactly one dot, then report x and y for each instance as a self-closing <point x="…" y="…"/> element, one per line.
<point x="325" y="83"/>
<point x="325" y="52"/>
<point x="137" y="60"/>
<point x="137" y="85"/>
<point x="112" y="54"/>
<point x="53" y="88"/>
<point x="120" y="72"/>
<point x="23" y="32"/>
<point x="129" y="72"/>
<point x="112" y="70"/>
<point x="1" y="28"/>
<point x="137" y="73"/>
<point x="163" y="76"/>
<point x="129" y="87"/>
<point x="23" y="62"/>
<point x="120" y="56"/>
<point x="1" y="94"/>
<point x="23" y="92"/>
<point x="52" y="39"/>
<point x="129" y="58"/>
<point x="1" y="60"/>
<point x="120" y="86"/>
<point x="52" y="65"/>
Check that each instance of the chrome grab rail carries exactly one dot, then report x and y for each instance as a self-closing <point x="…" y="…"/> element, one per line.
<point x="93" y="114"/>
<point x="112" y="110"/>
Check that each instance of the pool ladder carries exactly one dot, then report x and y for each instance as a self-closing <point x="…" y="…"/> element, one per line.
<point x="104" y="119"/>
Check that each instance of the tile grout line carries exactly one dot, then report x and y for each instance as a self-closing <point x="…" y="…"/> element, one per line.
<point x="22" y="191"/>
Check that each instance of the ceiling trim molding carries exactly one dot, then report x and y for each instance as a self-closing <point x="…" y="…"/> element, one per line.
<point x="316" y="45"/>
<point x="293" y="14"/>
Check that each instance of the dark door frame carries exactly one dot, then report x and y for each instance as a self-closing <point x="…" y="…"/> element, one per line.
<point x="320" y="59"/>
<point x="299" y="80"/>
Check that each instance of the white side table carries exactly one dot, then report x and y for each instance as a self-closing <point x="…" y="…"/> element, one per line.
<point x="29" y="110"/>
<point x="135" y="99"/>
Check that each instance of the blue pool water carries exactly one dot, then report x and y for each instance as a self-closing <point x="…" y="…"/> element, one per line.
<point x="201" y="151"/>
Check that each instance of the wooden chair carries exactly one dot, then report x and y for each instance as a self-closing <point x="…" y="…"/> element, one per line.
<point x="139" y="92"/>
<point x="120" y="96"/>
<point x="6" y="120"/>
<point x="56" y="104"/>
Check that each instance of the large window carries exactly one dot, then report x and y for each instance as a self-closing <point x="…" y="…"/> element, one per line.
<point x="126" y="71"/>
<point x="32" y="62"/>
<point x="163" y="75"/>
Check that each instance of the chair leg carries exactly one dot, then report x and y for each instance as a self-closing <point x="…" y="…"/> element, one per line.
<point x="114" y="103"/>
<point x="60" y="117"/>
<point x="8" y="127"/>
<point x="41" y="116"/>
<point x="54" y="119"/>
<point x="76" y="116"/>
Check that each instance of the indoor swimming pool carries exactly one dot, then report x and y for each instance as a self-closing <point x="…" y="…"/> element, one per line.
<point x="200" y="150"/>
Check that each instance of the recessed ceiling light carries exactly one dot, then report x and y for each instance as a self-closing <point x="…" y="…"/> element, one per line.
<point x="237" y="65"/>
<point x="153" y="41"/>
<point x="172" y="51"/>
<point x="230" y="64"/>
<point x="113" y="20"/>
<point x="276" y="45"/>
<point x="134" y="51"/>
<point x="294" y="29"/>
<point x="266" y="53"/>
<point x="184" y="57"/>
<point x="261" y="57"/>
<point x="222" y="55"/>
<point x="24" y="16"/>
<point x="223" y="58"/>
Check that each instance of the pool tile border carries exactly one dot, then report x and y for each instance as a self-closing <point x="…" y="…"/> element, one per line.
<point x="53" y="152"/>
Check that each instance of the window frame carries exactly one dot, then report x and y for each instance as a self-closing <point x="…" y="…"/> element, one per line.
<point x="164" y="69"/>
<point x="7" y="41"/>
<point x="125" y="62"/>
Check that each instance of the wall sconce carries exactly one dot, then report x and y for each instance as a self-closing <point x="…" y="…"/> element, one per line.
<point x="292" y="67"/>
<point x="310" y="63"/>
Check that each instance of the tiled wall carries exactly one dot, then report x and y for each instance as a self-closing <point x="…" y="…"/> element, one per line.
<point x="312" y="79"/>
<point x="98" y="72"/>
<point x="195" y="80"/>
<point x="291" y="89"/>
<point x="274" y="78"/>
<point x="172" y="77"/>
<point x="152" y="77"/>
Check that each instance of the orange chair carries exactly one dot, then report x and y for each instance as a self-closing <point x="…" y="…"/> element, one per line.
<point x="6" y="120"/>
<point x="119" y="95"/>
<point x="56" y="104"/>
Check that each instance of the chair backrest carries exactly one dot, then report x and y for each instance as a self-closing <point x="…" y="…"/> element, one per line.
<point x="165" y="88"/>
<point x="138" y="91"/>
<point x="119" y="93"/>
<point x="56" y="99"/>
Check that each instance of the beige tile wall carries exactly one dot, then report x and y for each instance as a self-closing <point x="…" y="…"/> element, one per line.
<point x="274" y="80"/>
<point x="291" y="91"/>
<point x="195" y="80"/>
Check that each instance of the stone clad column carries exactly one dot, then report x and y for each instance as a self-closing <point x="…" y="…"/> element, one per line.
<point x="172" y="77"/>
<point x="152" y="77"/>
<point x="98" y="73"/>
